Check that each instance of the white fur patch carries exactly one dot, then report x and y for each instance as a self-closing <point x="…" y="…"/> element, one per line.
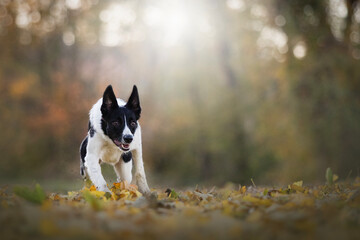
<point x="126" y="128"/>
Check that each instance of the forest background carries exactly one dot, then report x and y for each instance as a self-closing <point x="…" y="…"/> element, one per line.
<point x="230" y="90"/>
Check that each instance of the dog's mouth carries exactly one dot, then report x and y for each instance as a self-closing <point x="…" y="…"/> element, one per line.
<point x="122" y="146"/>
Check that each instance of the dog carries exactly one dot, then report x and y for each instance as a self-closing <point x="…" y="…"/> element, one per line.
<point x="114" y="137"/>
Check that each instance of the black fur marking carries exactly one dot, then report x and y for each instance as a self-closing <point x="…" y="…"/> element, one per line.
<point x="126" y="157"/>
<point x="109" y="101"/>
<point x="82" y="156"/>
<point x="104" y="126"/>
<point x="91" y="130"/>
<point x="113" y="116"/>
<point x="113" y="124"/>
<point x="134" y="103"/>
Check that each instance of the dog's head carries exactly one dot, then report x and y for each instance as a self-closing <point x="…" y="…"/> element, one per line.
<point x="120" y="123"/>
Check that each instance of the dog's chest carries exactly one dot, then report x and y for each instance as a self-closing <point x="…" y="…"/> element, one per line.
<point x="110" y="154"/>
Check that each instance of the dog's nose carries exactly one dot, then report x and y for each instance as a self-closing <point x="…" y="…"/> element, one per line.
<point x="128" y="138"/>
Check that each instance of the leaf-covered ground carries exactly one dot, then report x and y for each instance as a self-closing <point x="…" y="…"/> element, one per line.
<point x="297" y="211"/>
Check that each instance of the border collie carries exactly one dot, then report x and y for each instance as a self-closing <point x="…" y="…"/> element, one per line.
<point x="114" y="137"/>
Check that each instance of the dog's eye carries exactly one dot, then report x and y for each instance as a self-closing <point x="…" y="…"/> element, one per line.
<point x="133" y="124"/>
<point x="115" y="124"/>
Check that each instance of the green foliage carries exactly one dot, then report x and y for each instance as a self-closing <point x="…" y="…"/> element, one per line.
<point x="171" y="193"/>
<point x="36" y="195"/>
<point x="329" y="176"/>
<point x="94" y="202"/>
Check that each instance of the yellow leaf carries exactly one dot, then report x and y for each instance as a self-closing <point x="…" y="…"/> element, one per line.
<point x="227" y="207"/>
<point x="95" y="203"/>
<point x="297" y="188"/>
<point x="116" y="185"/>
<point x="121" y="185"/>
<point x="124" y="194"/>
<point x="257" y="201"/>
<point x="298" y="183"/>
<point x="135" y="193"/>
<point x="97" y="193"/>
<point x="72" y="193"/>
<point x="335" y="177"/>
<point x="124" y="190"/>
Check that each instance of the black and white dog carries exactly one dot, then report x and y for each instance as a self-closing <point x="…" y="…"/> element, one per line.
<point x="114" y="137"/>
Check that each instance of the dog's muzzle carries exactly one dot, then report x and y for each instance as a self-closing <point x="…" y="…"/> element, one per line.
<point x="122" y="146"/>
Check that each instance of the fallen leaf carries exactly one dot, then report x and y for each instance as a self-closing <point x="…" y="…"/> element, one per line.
<point x="36" y="196"/>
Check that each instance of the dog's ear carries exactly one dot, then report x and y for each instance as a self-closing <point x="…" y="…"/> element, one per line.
<point x="109" y="101"/>
<point x="134" y="103"/>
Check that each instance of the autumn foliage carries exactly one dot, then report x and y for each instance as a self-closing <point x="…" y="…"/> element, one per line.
<point x="297" y="211"/>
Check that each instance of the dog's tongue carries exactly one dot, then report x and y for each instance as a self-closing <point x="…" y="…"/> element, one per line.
<point x="118" y="143"/>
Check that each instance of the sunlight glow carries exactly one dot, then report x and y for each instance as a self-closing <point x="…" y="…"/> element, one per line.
<point x="73" y="4"/>
<point x="116" y="18"/>
<point x="236" y="4"/>
<point x="337" y="14"/>
<point x="153" y="16"/>
<point x="68" y="38"/>
<point x="175" y="27"/>
<point x="300" y="50"/>
<point x="171" y="20"/>
<point x="273" y="38"/>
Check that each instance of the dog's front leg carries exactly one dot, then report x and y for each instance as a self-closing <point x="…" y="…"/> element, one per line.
<point x="123" y="171"/>
<point x="94" y="171"/>
<point x="140" y="172"/>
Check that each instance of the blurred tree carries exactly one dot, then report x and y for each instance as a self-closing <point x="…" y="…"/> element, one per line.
<point x="324" y="84"/>
<point x="230" y="89"/>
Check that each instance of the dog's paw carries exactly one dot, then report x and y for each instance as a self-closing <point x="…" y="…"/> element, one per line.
<point x="144" y="190"/>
